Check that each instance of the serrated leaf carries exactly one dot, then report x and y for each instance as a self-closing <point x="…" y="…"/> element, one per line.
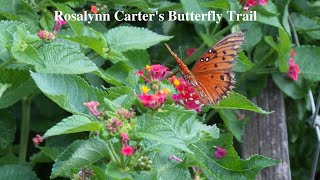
<point x="21" y="85"/>
<point x="234" y="125"/>
<point x="78" y="155"/>
<point x="126" y="38"/>
<point x="238" y="101"/>
<point x="94" y="40"/>
<point x="68" y="91"/>
<point x="141" y="4"/>
<point x="17" y="172"/>
<point x="284" y="50"/>
<point x="308" y="59"/>
<point x="7" y="129"/>
<point x="243" y="64"/>
<point x="230" y="166"/>
<point x="61" y="59"/>
<point x="173" y="126"/>
<point x="252" y="38"/>
<point x="7" y="28"/>
<point x="73" y="124"/>
<point x="76" y="26"/>
<point x="118" y="72"/>
<point x="267" y="14"/>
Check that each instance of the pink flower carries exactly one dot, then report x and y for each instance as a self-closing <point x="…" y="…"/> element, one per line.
<point x="293" y="53"/>
<point x="125" y="138"/>
<point x="187" y="96"/>
<point x="37" y="140"/>
<point x="220" y="152"/>
<point x="93" y="107"/>
<point x="127" y="150"/>
<point x="113" y="125"/>
<point x="190" y="51"/>
<point x="156" y="72"/>
<point x="294" y="70"/>
<point x="58" y="24"/>
<point x="175" y="158"/>
<point x="45" y="35"/>
<point x="153" y="101"/>
<point x="94" y="9"/>
<point x="250" y="3"/>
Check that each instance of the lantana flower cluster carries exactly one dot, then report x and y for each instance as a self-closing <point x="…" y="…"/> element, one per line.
<point x="115" y="124"/>
<point x="294" y="69"/>
<point x="247" y="4"/>
<point x="152" y="75"/>
<point x="187" y="97"/>
<point x="50" y="36"/>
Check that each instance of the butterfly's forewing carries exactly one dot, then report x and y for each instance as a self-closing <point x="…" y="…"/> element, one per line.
<point x="213" y="70"/>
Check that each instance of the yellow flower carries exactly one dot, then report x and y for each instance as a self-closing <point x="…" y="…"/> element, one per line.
<point x="166" y="90"/>
<point x="148" y="68"/>
<point x="145" y="89"/>
<point x="176" y="82"/>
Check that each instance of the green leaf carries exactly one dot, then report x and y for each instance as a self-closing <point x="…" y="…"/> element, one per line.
<point x="17" y="172"/>
<point x="190" y="6"/>
<point x="76" y="26"/>
<point x="7" y="29"/>
<point x="93" y="39"/>
<point x="7" y="129"/>
<point x="21" y="85"/>
<point x="47" y="20"/>
<point x="118" y="72"/>
<point x="219" y="4"/>
<point x="141" y="4"/>
<point x="173" y="126"/>
<point x="304" y="24"/>
<point x="68" y="91"/>
<point x="308" y="59"/>
<point x="73" y="124"/>
<point x="61" y="59"/>
<point x="3" y="87"/>
<point x="252" y="38"/>
<point x="138" y="59"/>
<point x="230" y="166"/>
<point x="238" y="101"/>
<point x="284" y="50"/>
<point x="267" y="14"/>
<point x="235" y="126"/>
<point x="126" y="38"/>
<point x="23" y="49"/>
<point x="243" y="64"/>
<point x="294" y="89"/>
<point x="78" y="155"/>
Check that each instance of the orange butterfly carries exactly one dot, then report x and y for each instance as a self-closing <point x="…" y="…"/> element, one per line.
<point x="212" y="76"/>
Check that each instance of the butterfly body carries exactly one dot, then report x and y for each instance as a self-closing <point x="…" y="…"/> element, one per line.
<point x="212" y="76"/>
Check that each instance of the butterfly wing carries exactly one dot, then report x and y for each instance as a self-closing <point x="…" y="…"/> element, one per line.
<point x="213" y="70"/>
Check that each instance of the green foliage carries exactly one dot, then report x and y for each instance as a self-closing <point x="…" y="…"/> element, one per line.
<point x="68" y="91"/>
<point x="308" y="59"/>
<point x="100" y="61"/>
<point x="173" y="126"/>
<point x="17" y="172"/>
<point x="21" y="85"/>
<point x="238" y="101"/>
<point x="126" y="38"/>
<point x="77" y="155"/>
<point x="73" y="124"/>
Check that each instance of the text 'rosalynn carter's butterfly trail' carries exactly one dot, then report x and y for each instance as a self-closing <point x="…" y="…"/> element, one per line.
<point x="211" y="76"/>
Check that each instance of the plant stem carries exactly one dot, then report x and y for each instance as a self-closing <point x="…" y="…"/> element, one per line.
<point x="110" y="153"/>
<point x="25" y="124"/>
<point x="115" y="155"/>
<point x="210" y="115"/>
